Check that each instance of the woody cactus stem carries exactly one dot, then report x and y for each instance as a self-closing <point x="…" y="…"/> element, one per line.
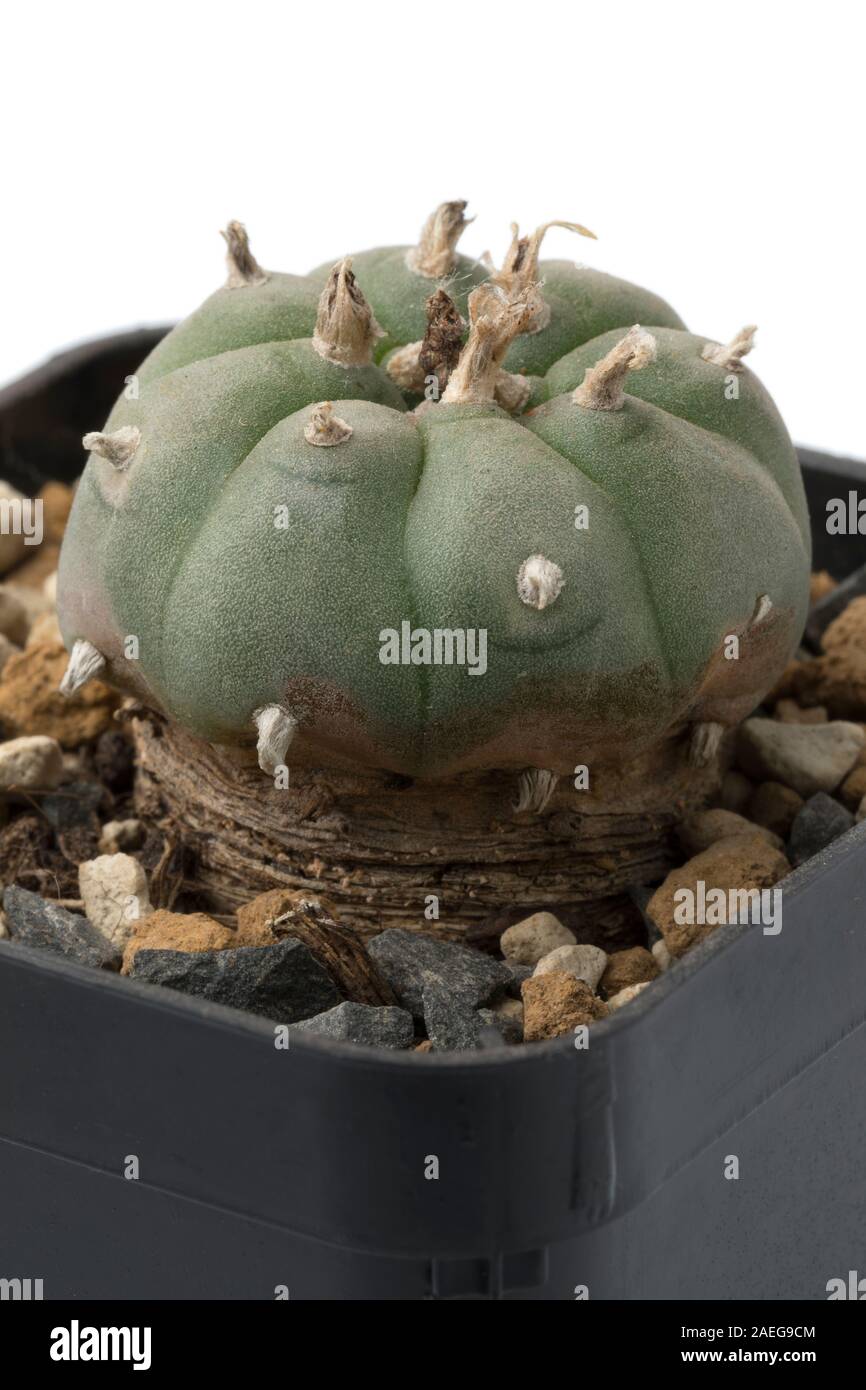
<point x="443" y="342"/>
<point x="242" y="265"/>
<point x="435" y="255"/>
<point x="437" y="354"/>
<point x="495" y="321"/>
<point x="730" y="355"/>
<point x="602" y="386"/>
<point x="345" y="327"/>
<point x="434" y="358"/>
<point x="519" y="275"/>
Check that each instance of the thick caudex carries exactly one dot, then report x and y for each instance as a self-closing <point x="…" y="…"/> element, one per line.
<point x="413" y="513"/>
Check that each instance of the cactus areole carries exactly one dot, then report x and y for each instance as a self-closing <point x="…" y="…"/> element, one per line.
<point x="411" y="514"/>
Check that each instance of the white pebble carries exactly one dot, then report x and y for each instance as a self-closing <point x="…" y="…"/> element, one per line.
<point x="586" y="963"/>
<point x="115" y="895"/>
<point x="626" y="995"/>
<point x="120" y="835"/>
<point x="30" y="762"/>
<point x="663" y="957"/>
<point x="528" y="941"/>
<point x="808" y="757"/>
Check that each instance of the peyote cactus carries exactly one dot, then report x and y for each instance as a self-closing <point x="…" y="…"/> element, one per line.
<point x="323" y="507"/>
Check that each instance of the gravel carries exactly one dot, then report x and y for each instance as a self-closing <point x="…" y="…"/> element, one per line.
<point x="412" y="963"/>
<point x="453" y="1023"/>
<point x="821" y="821"/>
<point x="32" y="921"/>
<point x="284" y="982"/>
<point x="808" y="757"/>
<point x="527" y="942"/>
<point x="363" y="1023"/>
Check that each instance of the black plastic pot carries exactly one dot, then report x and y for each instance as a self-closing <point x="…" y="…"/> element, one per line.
<point x="312" y="1170"/>
<point x="44" y="414"/>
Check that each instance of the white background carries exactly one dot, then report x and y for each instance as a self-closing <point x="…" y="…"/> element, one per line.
<point x="716" y="149"/>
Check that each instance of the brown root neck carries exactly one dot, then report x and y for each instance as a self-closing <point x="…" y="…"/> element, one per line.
<point x="375" y="850"/>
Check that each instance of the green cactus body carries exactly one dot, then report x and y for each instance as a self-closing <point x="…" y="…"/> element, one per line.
<point x="256" y="571"/>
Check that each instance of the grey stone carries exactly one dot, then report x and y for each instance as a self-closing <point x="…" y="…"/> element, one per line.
<point x="34" y="922"/>
<point x="518" y="974"/>
<point x="808" y="757"/>
<point x="452" y="1021"/>
<point x="71" y="812"/>
<point x="73" y="806"/>
<point x="412" y="963"/>
<point x="363" y="1023"/>
<point x="821" y="821"/>
<point x="492" y="1033"/>
<point x="507" y="1018"/>
<point x="284" y="982"/>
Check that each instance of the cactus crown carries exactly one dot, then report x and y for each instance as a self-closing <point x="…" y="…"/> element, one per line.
<point x="338" y="496"/>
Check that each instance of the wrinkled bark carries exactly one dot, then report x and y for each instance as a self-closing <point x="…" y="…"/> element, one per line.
<point x="377" y="846"/>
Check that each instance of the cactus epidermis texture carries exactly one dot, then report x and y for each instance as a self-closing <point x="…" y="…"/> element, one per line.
<point x="609" y="543"/>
